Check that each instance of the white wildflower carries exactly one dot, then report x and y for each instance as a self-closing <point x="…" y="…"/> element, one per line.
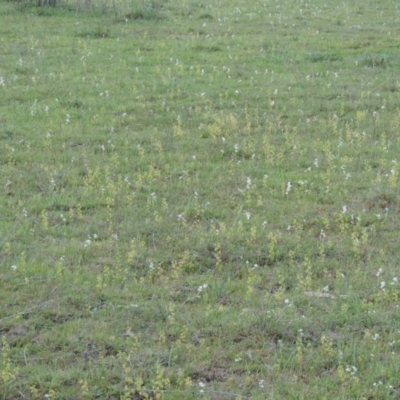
<point x="248" y="183"/>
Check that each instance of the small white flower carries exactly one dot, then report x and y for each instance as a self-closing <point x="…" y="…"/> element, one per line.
<point x="288" y="188"/>
<point x="13" y="267"/>
<point x="248" y="183"/>
<point x="344" y="209"/>
<point x="202" y="287"/>
<point x="202" y="384"/>
<point x="352" y="370"/>
<point x="180" y="216"/>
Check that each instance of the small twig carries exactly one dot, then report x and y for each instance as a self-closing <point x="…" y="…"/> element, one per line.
<point x="320" y="294"/>
<point x="23" y="396"/>
<point x="27" y="311"/>
<point x="218" y="392"/>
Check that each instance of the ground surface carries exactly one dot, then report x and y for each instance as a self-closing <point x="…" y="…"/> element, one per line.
<point x="200" y="200"/>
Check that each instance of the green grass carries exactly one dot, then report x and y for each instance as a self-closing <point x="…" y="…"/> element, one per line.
<point x="200" y="200"/>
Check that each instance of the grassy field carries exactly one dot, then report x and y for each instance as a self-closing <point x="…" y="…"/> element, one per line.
<point x="200" y="200"/>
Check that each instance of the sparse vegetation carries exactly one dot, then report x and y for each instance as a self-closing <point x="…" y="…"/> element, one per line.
<point x="200" y="200"/>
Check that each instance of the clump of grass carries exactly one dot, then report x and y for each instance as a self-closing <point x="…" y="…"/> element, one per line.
<point x="147" y="11"/>
<point x="373" y="61"/>
<point x="207" y="16"/>
<point x="100" y="32"/>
